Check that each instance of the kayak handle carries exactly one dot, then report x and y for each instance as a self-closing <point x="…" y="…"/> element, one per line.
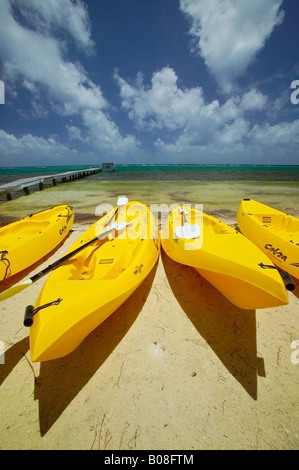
<point x="290" y="286"/>
<point x="28" y="317"/>
<point x="30" y="311"/>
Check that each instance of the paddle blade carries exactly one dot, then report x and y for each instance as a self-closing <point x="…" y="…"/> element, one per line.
<point x="188" y="231"/>
<point x="119" y="225"/>
<point x="182" y="211"/>
<point x="115" y="226"/>
<point x="15" y="290"/>
<point x="122" y="201"/>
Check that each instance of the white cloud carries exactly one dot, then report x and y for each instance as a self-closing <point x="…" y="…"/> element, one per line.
<point x="284" y="133"/>
<point x="34" y="46"/>
<point x="74" y="132"/>
<point x="68" y="15"/>
<point x="196" y="128"/>
<point x="104" y="135"/>
<point x="29" y="149"/>
<point x="166" y="106"/>
<point x="162" y="105"/>
<point x="233" y="133"/>
<point x="229" y="33"/>
<point x="253" y="100"/>
<point x="35" y="57"/>
<point x="39" y="60"/>
<point x="237" y="142"/>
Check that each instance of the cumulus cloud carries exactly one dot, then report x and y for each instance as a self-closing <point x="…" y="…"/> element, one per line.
<point x="35" y="57"/>
<point x="31" y="148"/>
<point x="35" y="41"/>
<point x="74" y="132"/>
<point x="196" y="127"/>
<point x="253" y="100"/>
<point x="53" y="15"/>
<point x="166" y="106"/>
<point x="104" y="135"/>
<point x="228" y="34"/>
<point x="284" y="133"/>
<point x="234" y="140"/>
<point x="38" y="59"/>
<point x="161" y="105"/>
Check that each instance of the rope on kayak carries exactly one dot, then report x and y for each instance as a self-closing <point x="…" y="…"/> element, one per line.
<point x="284" y="274"/>
<point x="31" y="311"/>
<point x="55" y="302"/>
<point x="6" y="263"/>
<point x="68" y="215"/>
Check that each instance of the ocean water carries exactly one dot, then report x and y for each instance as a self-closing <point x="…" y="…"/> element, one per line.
<point x="219" y="188"/>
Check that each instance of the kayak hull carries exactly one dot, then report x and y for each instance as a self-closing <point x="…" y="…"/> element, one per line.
<point x="30" y="239"/>
<point x="94" y="283"/>
<point x="228" y="260"/>
<point x="273" y="231"/>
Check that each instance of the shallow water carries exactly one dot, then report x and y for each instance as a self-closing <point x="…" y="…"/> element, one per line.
<point x="218" y="189"/>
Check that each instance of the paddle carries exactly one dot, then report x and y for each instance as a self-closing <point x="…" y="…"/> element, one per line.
<point x="187" y="231"/>
<point x="106" y="231"/>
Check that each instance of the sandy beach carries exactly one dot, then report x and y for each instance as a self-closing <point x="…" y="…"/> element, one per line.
<point x="187" y="107"/>
<point x="177" y="367"/>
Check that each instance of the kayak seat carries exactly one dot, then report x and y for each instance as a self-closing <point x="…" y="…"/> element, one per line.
<point x="212" y="228"/>
<point x="105" y="262"/>
<point x="114" y="259"/>
<point x="283" y="225"/>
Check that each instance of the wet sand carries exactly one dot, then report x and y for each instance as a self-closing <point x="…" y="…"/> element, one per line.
<point x="176" y="367"/>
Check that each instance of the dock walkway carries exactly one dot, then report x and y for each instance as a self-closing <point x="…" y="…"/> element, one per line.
<point x="35" y="182"/>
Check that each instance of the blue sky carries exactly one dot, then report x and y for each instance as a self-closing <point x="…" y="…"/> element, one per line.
<point x="156" y="81"/>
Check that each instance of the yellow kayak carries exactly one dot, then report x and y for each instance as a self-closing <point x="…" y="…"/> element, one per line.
<point x="26" y="241"/>
<point x="95" y="282"/>
<point x="273" y="231"/>
<point x="223" y="256"/>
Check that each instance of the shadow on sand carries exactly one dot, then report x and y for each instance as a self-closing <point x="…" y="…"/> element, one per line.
<point x="7" y="219"/>
<point x="296" y="290"/>
<point x="229" y="330"/>
<point x="13" y="355"/>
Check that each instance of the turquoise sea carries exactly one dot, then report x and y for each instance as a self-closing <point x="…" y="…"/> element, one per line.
<point x="165" y="172"/>
<point x="219" y="188"/>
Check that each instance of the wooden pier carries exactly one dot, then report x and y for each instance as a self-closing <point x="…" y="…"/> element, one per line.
<point x="38" y="182"/>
